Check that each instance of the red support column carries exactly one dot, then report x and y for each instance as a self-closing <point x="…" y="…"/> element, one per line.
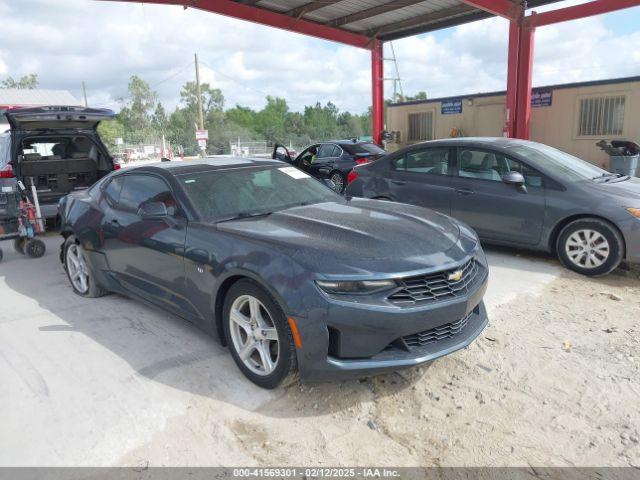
<point x="377" y="91"/>
<point x="512" y="79"/>
<point x="525" y="74"/>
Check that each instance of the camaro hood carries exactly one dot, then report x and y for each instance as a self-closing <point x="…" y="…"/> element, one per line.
<point x="365" y="234"/>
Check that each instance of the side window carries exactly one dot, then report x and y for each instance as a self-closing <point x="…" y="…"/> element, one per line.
<point x="434" y="161"/>
<point x="308" y="155"/>
<point x="480" y="164"/>
<point x="532" y="178"/>
<point x="486" y="165"/>
<point x="326" y="150"/>
<point x="337" y="151"/>
<point x="140" y="189"/>
<point x="112" y="190"/>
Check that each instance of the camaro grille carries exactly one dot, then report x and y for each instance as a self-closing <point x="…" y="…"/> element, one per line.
<point x="447" y="330"/>
<point x="436" y="286"/>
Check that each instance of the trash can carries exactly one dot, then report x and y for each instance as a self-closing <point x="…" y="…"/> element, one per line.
<point x="624" y="165"/>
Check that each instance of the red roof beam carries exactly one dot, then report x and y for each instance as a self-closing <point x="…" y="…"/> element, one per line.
<point x="576" y="12"/>
<point x="272" y="19"/>
<point x="501" y="8"/>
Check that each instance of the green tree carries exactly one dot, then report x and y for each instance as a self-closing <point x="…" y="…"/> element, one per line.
<point x="27" y="82"/>
<point x="270" y="122"/>
<point x="135" y="115"/>
<point x="241" y="116"/>
<point x="159" y="119"/>
<point x="109" y="130"/>
<point x="422" y="95"/>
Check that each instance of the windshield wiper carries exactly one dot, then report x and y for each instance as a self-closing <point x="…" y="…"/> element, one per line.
<point x="244" y="215"/>
<point x="607" y="176"/>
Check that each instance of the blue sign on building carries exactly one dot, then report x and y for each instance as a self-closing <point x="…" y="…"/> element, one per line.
<point x="542" y="97"/>
<point x="451" y="107"/>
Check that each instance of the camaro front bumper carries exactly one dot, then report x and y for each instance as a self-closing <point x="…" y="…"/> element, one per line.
<point x="355" y="340"/>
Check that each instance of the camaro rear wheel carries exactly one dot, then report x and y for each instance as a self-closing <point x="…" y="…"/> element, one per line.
<point x="258" y="335"/>
<point x="590" y="246"/>
<point x="78" y="272"/>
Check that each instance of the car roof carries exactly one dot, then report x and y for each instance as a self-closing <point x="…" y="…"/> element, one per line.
<point x="204" y="165"/>
<point x="494" y="142"/>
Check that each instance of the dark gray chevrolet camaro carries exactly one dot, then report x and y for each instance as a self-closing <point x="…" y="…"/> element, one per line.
<point x="288" y="274"/>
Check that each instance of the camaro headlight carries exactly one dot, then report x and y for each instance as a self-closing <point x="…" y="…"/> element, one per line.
<point x="355" y="286"/>
<point x="634" y="211"/>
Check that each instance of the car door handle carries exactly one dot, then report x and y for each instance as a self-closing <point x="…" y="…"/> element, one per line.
<point x="397" y="182"/>
<point x="463" y="191"/>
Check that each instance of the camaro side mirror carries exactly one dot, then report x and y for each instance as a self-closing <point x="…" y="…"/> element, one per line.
<point x="153" y="210"/>
<point x="516" y="179"/>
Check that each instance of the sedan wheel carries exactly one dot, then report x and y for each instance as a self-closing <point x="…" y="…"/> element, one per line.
<point x="258" y="335"/>
<point x="587" y="248"/>
<point x="338" y="181"/>
<point x="590" y="246"/>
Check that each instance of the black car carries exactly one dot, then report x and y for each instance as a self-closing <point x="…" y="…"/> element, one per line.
<point x="58" y="148"/>
<point x="518" y="193"/>
<point x="290" y="275"/>
<point x="331" y="161"/>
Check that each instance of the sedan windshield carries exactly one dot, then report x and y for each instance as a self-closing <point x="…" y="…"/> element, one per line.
<point x="559" y="162"/>
<point x="252" y="191"/>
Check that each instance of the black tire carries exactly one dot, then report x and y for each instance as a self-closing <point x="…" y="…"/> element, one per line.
<point x="613" y="238"/>
<point x="343" y="181"/>
<point x="285" y="371"/>
<point x="18" y="245"/>
<point x="94" y="290"/>
<point x="35" y="248"/>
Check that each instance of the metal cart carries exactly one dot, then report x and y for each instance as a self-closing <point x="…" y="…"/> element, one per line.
<point x="20" y="219"/>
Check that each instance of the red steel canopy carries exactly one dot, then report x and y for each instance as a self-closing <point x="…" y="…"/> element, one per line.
<point x="369" y="23"/>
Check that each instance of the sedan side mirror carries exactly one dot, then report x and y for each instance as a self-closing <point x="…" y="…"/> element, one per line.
<point x="516" y="179"/>
<point x="153" y="210"/>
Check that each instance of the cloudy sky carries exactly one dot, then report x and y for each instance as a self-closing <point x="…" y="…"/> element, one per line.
<point x="104" y="43"/>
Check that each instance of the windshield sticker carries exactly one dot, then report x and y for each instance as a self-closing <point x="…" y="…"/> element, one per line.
<point x="190" y="181"/>
<point x="294" y="172"/>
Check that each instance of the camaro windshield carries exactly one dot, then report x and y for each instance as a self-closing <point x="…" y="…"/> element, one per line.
<point x="242" y="192"/>
<point x="565" y="165"/>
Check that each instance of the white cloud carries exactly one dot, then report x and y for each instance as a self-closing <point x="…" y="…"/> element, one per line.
<point x="104" y="43"/>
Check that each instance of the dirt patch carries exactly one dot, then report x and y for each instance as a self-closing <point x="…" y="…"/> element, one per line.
<point x="552" y="381"/>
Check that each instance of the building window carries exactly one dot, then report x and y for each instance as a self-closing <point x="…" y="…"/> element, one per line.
<point x="600" y="116"/>
<point x="420" y="126"/>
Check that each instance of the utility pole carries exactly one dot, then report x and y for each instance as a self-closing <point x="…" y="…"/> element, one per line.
<point x="397" y="81"/>
<point x="84" y="92"/>
<point x="200" y="118"/>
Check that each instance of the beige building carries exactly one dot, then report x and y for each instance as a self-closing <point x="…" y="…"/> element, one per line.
<point x="571" y="117"/>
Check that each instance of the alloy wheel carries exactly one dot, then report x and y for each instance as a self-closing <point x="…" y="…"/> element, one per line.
<point x="254" y="335"/>
<point x="338" y="182"/>
<point x="77" y="267"/>
<point x="587" y="248"/>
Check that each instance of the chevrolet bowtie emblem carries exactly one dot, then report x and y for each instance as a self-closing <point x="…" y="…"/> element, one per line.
<point x="455" y="276"/>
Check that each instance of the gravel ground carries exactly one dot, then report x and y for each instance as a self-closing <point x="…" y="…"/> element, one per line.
<point x="552" y="381"/>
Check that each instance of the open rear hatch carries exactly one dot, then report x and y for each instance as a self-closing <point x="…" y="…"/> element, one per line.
<point x="57" y="117"/>
<point x="58" y="148"/>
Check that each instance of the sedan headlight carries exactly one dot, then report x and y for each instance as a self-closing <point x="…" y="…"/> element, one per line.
<point x="347" y="287"/>
<point x="634" y="211"/>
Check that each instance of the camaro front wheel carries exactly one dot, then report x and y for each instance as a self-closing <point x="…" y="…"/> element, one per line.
<point x="590" y="246"/>
<point x="78" y="272"/>
<point x="258" y="336"/>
